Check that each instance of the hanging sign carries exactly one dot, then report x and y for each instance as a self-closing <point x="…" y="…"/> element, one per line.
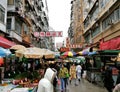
<point x="48" y="34"/>
<point x="64" y="49"/>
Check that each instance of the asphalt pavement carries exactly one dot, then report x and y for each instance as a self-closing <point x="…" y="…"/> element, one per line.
<point x="83" y="86"/>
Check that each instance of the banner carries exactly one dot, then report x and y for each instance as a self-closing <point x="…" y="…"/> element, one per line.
<point x="74" y="46"/>
<point x="48" y="34"/>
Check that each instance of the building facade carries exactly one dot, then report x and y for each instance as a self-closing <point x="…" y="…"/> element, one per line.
<point x="101" y="24"/>
<point x="3" y="15"/>
<point x="19" y="19"/>
<point x="75" y="31"/>
<point x="4" y="42"/>
<point x="24" y="18"/>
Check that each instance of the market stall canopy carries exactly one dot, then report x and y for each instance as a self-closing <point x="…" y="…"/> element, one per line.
<point x="48" y="54"/>
<point x="32" y="52"/>
<point x="92" y="53"/>
<point x="5" y="42"/>
<point x="18" y="47"/>
<point x="57" y="54"/>
<point x="80" y="59"/>
<point x="108" y="45"/>
<point x="83" y="53"/>
<point x="1" y="61"/>
<point x="69" y="53"/>
<point x="109" y="52"/>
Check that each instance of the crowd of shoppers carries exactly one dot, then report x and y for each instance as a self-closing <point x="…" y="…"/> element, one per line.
<point x="59" y="72"/>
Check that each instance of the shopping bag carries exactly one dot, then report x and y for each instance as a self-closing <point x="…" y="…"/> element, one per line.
<point x="58" y="81"/>
<point x="67" y="75"/>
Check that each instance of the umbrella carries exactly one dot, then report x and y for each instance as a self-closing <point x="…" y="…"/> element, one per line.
<point x="80" y="53"/>
<point x="48" y="54"/>
<point x="57" y="54"/>
<point x="4" y="52"/>
<point x="69" y="53"/>
<point x="1" y="61"/>
<point x="18" y="47"/>
<point x="32" y="52"/>
<point x="83" y="52"/>
<point x="80" y="59"/>
<point x="92" y="53"/>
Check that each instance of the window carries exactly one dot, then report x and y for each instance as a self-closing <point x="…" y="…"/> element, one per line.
<point x="113" y="17"/>
<point x="2" y="13"/>
<point x="87" y="38"/>
<point x="96" y="31"/>
<point x="26" y="29"/>
<point x="9" y="20"/>
<point x="18" y="26"/>
<point x="10" y="2"/>
<point x="103" y="3"/>
<point x="117" y="14"/>
<point x="104" y="24"/>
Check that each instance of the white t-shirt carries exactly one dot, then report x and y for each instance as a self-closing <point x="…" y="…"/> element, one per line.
<point x="78" y="68"/>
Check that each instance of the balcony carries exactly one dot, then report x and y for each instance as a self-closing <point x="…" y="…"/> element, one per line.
<point x="31" y="2"/>
<point x="15" y="6"/>
<point x="14" y="35"/>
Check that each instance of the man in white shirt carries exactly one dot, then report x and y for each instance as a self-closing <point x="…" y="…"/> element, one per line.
<point x="78" y="72"/>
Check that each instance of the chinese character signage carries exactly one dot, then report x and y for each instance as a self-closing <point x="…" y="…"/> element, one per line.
<point x="49" y="34"/>
<point x="74" y="46"/>
<point x="64" y="49"/>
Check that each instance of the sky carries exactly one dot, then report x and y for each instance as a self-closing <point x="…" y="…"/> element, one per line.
<point x="59" y="17"/>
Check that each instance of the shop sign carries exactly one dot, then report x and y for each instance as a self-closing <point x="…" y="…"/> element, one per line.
<point x="48" y="34"/>
<point x="64" y="49"/>
<point x="74" y="46"/>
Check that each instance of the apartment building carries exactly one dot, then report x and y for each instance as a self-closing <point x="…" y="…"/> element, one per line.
<point x="100" y="22"/>
<point x="24" y="17"/>
<point x="102" y="25"/>
<point x="75" y="31"/>
<point x="4" y="42"/>
<point x="3" y="15"/>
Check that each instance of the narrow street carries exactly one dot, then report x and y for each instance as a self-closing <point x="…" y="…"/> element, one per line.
<point x="84" y="86"/>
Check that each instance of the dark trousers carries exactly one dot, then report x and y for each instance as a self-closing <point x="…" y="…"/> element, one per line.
<point x="66" y="82"/>
<point x="109" y="89"/>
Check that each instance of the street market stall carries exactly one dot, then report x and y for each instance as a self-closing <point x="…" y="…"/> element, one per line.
<point x="96" y="62"/>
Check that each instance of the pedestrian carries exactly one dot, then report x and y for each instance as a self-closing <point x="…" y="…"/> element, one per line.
<point x="62" y="75"/>
<point x="108" y="80"/>
<point x="67" y="75"/>
<point x="117" y="87"/>
<point x="73" y="73"/>
<point x="118" y="78"/>
<point x="78" y="71"/>
<point x="46" y="83"/>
